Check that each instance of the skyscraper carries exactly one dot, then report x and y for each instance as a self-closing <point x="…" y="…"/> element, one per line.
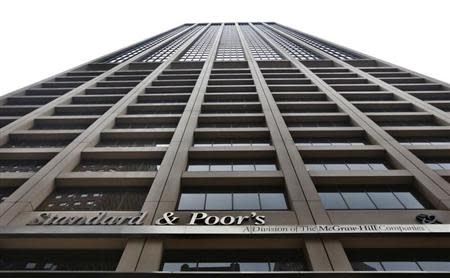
<point x="227" y="147"/>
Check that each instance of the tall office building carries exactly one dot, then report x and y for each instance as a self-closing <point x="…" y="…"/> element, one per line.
<point x="227" y="147"/>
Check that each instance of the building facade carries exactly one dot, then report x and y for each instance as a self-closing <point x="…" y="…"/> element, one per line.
<point x="243" y="149"/>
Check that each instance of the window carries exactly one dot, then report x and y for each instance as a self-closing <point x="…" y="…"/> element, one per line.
<point x="232" y="166"/>
<point x="59" y="260"/>
<point x="407" y="123"/>
<point x="199" y="51"/>
<point x="163" y="53"/>
<point x="436" y="141"/>
<point x="95" y="198"/>
<point x="370" y="197"/>
<point x="231" y="125"/>
<point x="320" y="124"/>
<point x="230" y="48"/>
<point x="260" y="50"/>
<point x="35" y="144"/>
<point x="318" y="142"/>
<point x="345" y="165"/>
<point x="136" y="49"/>
<point x="146" y="125"/>
<point x="294" y="49"/>
<point x="436" y="164"/>
<point x="134" y="143"/>
<point x="233" y="260"/>
<point x="232" y="199"/>
<point x="326" y="47"/>
<point x="117" y="165"/>
<point x="5" y="192"/>
<point x="232" y="143"/>
<point x="399" y="259"/>
<point x="18" y="166"/>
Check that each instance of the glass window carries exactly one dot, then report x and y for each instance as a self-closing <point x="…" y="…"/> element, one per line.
<point x="358" y="166"/>
<point x="396" y="259"/>
<point x="253" y="266"/>
<point x="434" y="166"/>
<point x="243" y="167"/>
<point x="198" y="168"/>
<point x="385" y="200"/>
<point x="246" y="201"/>
<point x="332" y="200"/>
<point x="202" y="145"/>
<point x="336" y="167"/>
<point x="408" y="200"/>
<point x="357" y="200"/>
<point x="315" y="167"/>
<point x="216" y="266"/>
<point x="258" y="260"/>
<point x="273" y="201"/>
<point x="400" y="266"/>
<point x="218" y="201"/>
<point x="221" y="144"/>
<point x="266" y="167"/>
<point x="378" y="166"/>
<point x="224" y="168"/>
<point x="59" y="260"/>
<point x="95" y="198"/>
<point x="367" y="266"/>
<point x="172" y="267"/>
<point x="434" y="266"/>
<point x="192" y="201"/>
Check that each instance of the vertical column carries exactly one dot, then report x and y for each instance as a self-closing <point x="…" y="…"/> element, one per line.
<point x="147" y="253"/>
<point x="298" y="186"/>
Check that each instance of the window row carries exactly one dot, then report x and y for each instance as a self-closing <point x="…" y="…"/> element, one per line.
<point x="225" y="260"/>
<point x="236" y="200"/>
<point x="234" y="260"/>
<point x="330" y="142"/>
<point x="93" y="199"/>
<point x="134" y="143"/>
<point x="355" y="165"/>
<point x="15" y="166"/>
<point x="117" y="165"/>
<point x="231" y="166"/>
<point x="370" y="197"/>
<point x="232" y="143"/>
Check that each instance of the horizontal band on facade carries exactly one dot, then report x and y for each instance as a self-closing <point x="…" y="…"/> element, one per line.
<point x="153" y="230"/>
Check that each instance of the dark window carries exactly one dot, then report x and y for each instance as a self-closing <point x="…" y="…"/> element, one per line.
<point x="399" y="259"/>
<point x="438" y="164"/>
<point x="235" y="166"/>
<point x="232" y="199"/>
<point x="5" y="192"/>
<point x="231" y="125"/>
<point x="40" y="126"/>
<point x="134" y="143"/>
<point x="317" y="142"/>
<point x="407" y="123"/>
<point x="35" y="144"/>
<point x="319" y="124"/>
<point x="59" y="260"/>
<point x="16" y="166"/>
<point x="432" y="141"/>
<point x="346" y="165"/>
<point x="146" y="125"/>
<point x="371" y="197"/>
<point x="92" y="199"/>
<point x="232" y="143"/>
<point x="117" y="165"/>
<point x="233" y="260"/>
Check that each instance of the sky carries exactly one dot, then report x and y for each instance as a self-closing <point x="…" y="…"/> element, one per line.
<point x="39" y="39"/>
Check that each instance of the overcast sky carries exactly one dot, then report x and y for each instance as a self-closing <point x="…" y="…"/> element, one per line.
<point x="44" y="37"/>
